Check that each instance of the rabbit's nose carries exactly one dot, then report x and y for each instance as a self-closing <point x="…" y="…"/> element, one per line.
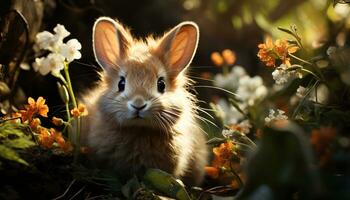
<point x="139" y="108"/>
<point x="137" y="104"/>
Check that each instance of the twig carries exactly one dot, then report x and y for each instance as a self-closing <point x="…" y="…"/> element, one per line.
<point x="77" y="193"/>
<point x="65" y="192"/>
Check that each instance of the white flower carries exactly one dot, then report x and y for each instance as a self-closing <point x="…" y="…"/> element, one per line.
<point x="301" y="92"/>
<point x="245" y="126"/>
<point x="61" y="32"/>
<point x="251" y="90"/>
<point x="60" y="52"/>
<point x="46" y="40"/>
<point x="230" y="81"/>
<point x="227" y="133"/>
<point x="281" y="75"/>
<point x="24" y="66"/>
<point x="228" y="113"/>
<point x="275" y="116"/>
<point x="52" y="63"/>
<point x="71" y="50"/>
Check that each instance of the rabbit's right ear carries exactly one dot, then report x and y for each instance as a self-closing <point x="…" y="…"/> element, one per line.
<point x="110" y="42"/>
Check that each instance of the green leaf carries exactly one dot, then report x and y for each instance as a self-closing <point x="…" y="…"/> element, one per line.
<point x="216" y="141"/>
<point x="20" y="143"/>
<point x="10" y="154"/>
<point x="13" y="136"/>
<point x="165" y="183"/>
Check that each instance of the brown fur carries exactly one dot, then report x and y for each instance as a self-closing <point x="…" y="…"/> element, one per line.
<point x="167" y="136"/>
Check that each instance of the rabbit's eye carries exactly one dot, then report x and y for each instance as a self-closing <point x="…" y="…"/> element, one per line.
<point x="121" y="84"/>
<point x="161" y="85"/>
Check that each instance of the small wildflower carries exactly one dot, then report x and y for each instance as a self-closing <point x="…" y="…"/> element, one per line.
<point x="46" y="40"/>
<point x="275" y="116"/>
<point x="71" y="50"/>
<point x="24" y="66"/>
<point x="45" y="138"/>
<point x="62" y="143"/>
<point x="282" y="75"/>
<point x="75" y="112"/>
<point x="52" y="63"/>
<point x="80" y="111"/>
<point x="57" y="121"/>
<point x="269" y="52"/>
<point x="34" y="124"/>
<point x="251" y="90"/>
<point x="34" y="107"/>
<point x="230" y="80"/>
<point x="59" y="51"/>
<point x="223" y="154"/>
<point x="217" y="59"/>
<point x="61" y="32"/>
<point x="226" y="112"/>
<point x="265" y="52"/>
<point x="229" y="56"/>
<point x="301" y="92"/>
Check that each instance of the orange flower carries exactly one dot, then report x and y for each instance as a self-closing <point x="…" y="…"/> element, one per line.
<point x="80" y="111"/>
<point x="57" y="121"/>
<point x="212" y="172"/>
<point x="269" y="51"/>
<point x="223" y="154"/>
<point x="33" y="108"/>
<point x="217" y="59"/>
<point x="229" y="56"/>
<point x="45" y="138"/>
<point x="62" y="143"/>
<point x="34" y="124"/>
<point x="266" y="52"/>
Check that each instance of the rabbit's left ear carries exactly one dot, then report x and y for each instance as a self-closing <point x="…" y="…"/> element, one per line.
<point x="178" y="46"/>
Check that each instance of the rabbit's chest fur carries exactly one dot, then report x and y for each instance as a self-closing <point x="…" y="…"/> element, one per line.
<point x="129" y="149"/>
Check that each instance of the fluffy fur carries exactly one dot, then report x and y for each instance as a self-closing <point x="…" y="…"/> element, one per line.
<point x="165" y="134"/>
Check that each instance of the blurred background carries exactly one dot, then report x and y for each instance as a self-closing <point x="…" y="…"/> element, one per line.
<point x="239" y="25"/>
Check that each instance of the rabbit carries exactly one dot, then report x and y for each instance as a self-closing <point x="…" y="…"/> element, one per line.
<point x="140" y="113"/>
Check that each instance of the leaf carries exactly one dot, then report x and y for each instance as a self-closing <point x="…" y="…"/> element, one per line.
<point x="216" y="141"/>
<point x="13" y="137"/>
<point x="20" y="143"/>
<point x="165" y="183"/>
<point x="10" y="154"/>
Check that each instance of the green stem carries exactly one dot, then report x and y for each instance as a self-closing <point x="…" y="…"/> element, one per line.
<point x="225" y="70"/>
<point x="309" y="63"/>
<point x="310" y="72"/>
<point x="71" y="94"/>
<point x="301" y="60"/>
<point x="68" y="119"/>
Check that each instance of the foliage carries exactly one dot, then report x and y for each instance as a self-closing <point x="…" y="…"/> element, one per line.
<point x="13" y="137"/>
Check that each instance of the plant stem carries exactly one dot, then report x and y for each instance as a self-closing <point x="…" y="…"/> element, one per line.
<point x="301" y="60"/>
<point x="71" y="94"/>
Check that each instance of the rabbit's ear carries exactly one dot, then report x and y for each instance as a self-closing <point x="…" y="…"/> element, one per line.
<point x="110" y="42"/>
<point x="177" y="47"/>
